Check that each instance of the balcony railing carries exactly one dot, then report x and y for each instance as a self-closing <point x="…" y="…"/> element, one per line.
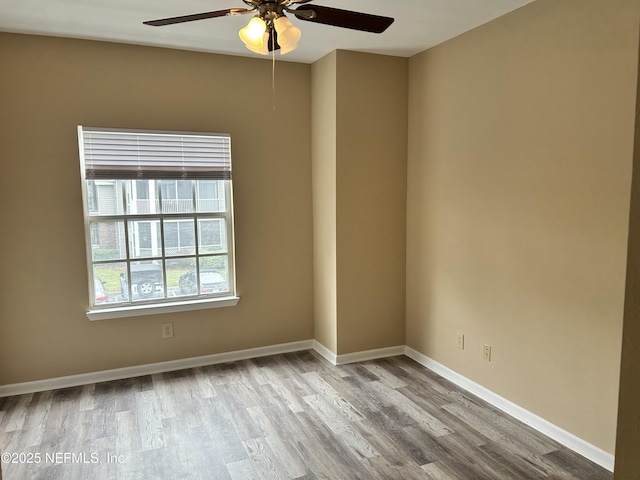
<point x="177" y="206"/>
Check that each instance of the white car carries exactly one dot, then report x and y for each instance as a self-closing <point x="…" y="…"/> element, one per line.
<point x="211" y="281"/>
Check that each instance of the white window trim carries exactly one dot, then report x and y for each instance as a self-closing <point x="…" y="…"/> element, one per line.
<point x="157" y="308"/>
<point x="164" y="306"/>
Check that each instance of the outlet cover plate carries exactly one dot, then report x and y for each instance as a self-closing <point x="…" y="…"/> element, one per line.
<point x="486" y="352"/>
<point x="167" y="330"/>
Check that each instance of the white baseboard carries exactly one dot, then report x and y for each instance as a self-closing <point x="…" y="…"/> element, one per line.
<point x="563" y="437"/>
<point x="325" y="352"/>
<point x="151" y="368"/>
<point x="357" y="356"/>
<point x="587" y="450"/>
<point x="370" y="355"/>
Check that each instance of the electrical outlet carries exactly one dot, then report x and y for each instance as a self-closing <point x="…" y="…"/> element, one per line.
<point x="460" y="341"/>
<point x="167" y="330"/>
<point x="486" y="353"/>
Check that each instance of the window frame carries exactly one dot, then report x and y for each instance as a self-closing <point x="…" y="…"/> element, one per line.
<point x="129" y="306"/>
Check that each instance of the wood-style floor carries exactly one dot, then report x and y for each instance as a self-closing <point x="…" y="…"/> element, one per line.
<point x="291" y="416"/>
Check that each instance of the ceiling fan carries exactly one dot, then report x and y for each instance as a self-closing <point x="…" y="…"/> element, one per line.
<point x="271" y="30"/>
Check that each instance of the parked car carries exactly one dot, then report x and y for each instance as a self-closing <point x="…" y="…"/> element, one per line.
<point x="211" y="281"/>
<point x="146" y="277"/>
<point x="99" y="291"/>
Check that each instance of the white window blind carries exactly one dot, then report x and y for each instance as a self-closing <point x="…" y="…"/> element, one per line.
<point x="125" y="154"/>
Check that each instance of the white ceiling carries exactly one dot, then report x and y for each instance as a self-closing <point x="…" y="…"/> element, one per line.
<point x="419" y="24"/>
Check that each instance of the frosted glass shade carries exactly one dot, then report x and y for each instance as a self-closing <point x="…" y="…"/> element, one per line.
<point x="264" y="49"/>
<point x="253" y="35"/>
<point x="288" y="34"/>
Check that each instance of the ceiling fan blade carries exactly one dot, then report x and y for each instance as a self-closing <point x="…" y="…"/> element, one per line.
<point x="345" y="18"/>
<point x="191" y="18"/>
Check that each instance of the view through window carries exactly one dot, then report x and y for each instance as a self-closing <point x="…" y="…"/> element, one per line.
<point x="158" y="216"/>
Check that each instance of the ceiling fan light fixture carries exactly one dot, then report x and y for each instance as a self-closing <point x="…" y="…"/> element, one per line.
<point x="264" y="49"/>
<point x="288" y="34"/>
<point x="271" y="30"/>
<point x="253" y="35"/>
<point x="289" y="48"/>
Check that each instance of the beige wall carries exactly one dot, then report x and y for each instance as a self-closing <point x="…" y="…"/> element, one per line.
<point x="323" y="101"/>
<point x="48" y="86"/>
<point x="628" y="434"/>
<point x="371" y="160"/>
<point x="519" y="167"/>
<point x="359" y="200"/>
<point x="519" y="160"/>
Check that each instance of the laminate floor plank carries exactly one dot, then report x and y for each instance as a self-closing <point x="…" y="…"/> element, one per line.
<point x="289" y="416"/>
<point x="104" y="448"/>
<point x="460" y="422"/>
<point x="440" y="451"/>
<point x="164" y="394"/>
<point x="164" y="463"/>
<point x="86" y="397"/>
<point x="453" y="422"/>
<point x="413" y="450"/>
<point x="243" y="470"/>
<point x="233" y="398"/>
<point x="277" y="441"/>
<point x="439" y="388"/>
<point x="340" y="427"/>
<point x="342" y="406"/>
<point x="303" y="362"/>
<point x="36" y="420"/>
<point x="365" y="402"/>
<point x="204" y="382"/>
<point x="568" y="461"/>
<point x="308" y="448"/>
<point x="288" y="394"/>
<point x="434" y="471"/>
<point x="223" y="373"/>
<point x="357" y="370"/>
<point x="511" y="439"/>
<point x="7" y="406"/>
<point x="384" y="470"/>
<point x="534" y="440"/>
<point x="223" y="436"/>
<point x="128" y="445"/>
<point x="150" y="426"/>
<point x="470" y="458"/>
<point x="404" y="404"/>
<point x="329" y="453"/>
<point x="264" y="460"/>
<point x="104" y="410"/>
<point x="385" y="375"/>
<point x="15" y="420"/>
<point x="532" y="466"/>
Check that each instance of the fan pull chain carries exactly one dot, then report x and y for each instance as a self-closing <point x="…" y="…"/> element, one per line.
<point x="273" y="70"/>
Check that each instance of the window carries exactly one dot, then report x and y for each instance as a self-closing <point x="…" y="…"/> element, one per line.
<point x="158" y="216"/>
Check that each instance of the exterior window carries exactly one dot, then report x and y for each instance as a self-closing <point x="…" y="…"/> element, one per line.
<point x="159" y="222"/>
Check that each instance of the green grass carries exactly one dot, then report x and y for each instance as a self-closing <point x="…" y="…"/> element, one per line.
<point x="173" y="277"/>
<point x="110" y="277"/>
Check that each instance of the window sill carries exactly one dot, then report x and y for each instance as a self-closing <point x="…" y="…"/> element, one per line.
<point x="138" y="310"/>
